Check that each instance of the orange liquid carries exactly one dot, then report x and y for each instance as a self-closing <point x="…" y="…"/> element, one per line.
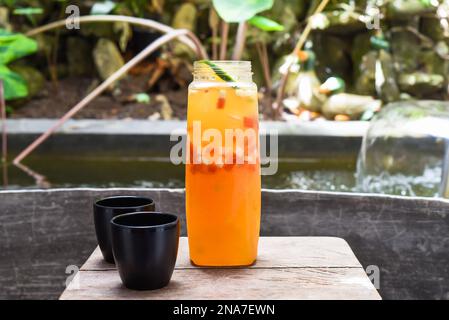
<point x="223" y="200"/>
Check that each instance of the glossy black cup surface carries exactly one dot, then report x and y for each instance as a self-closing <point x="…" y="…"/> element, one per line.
<point x="145" y="247"/>
<point x="107" y="208"/>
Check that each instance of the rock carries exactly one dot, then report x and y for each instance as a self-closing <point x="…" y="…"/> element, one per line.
<point x="432" y="62"/>
<point x="401" y="43"/>
<point x="360" y="47"/>
<point x="431" y="27"/>
<point x="386" y="84"/>
<point x="365" y="74"/>
<point x="421" y="83"/>
<point x="185" y="18"/>
<point x="349" y="104"/>
<point x="99" y="30"/>
<point x="166" y="109"/>
<point x="400" y="9"/>
<point x="155" y="116"/>
<point x="341" y="22"/>
<point x="338" y="63"/>
<point x="35" y="80"/>
<point x="79" y="59"/>
<point x="107" y="58"/>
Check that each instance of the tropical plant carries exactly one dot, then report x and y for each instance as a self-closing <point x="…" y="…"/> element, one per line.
<point x="14" y="46"/>
<point x="244" y="12"/>
<point x="29" y="12"/>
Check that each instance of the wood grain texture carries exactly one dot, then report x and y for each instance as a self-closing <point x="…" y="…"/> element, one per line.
<point x="274" y="252"/>
<point x="287" y="268"/>
<point x="219" y="284"/>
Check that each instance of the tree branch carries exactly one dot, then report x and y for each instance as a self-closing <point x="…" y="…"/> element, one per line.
<point x="191" y="40"/>
<point x="103" y="86"/>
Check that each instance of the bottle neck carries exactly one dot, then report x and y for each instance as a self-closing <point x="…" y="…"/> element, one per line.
<point x="228" y="71"/>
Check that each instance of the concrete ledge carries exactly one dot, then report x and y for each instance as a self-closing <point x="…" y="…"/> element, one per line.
<point x="145" y="137"/>
<point x="147" y="127"/>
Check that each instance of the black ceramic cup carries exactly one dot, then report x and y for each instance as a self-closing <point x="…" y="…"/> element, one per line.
<point x="145" y="246"/>
<point x="106" y="209"/>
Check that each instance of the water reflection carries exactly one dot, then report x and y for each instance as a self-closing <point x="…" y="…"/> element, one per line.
<point x="40" y="180"/>
<point x="71" y="171"/>
<point x="5" y="174"/>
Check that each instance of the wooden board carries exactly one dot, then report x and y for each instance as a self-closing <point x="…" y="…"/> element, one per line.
<point x="286" y="268"/>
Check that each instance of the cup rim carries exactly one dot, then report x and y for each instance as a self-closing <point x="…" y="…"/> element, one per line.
<point x="97" y="202"/>
<point x="154" y="227"/>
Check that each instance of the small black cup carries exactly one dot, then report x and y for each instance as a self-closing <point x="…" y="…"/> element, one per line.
<point x="145" y="246"/>
<point x="106" y="209"/>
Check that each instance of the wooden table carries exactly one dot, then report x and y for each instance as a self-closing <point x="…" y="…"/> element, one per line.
<point x="286" y="268"/>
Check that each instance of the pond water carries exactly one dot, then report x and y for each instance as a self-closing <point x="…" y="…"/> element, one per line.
<point x="405" y="151"/>
<point x="311" y="173"/>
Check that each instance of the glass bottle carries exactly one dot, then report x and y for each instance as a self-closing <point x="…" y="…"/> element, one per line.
<point x="223" y="184"/>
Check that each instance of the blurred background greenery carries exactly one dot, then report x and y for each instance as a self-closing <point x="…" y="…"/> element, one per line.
<point x="373" y="51"/>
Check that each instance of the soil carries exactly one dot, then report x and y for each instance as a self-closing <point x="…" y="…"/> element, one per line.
<point x="117" y="103"/>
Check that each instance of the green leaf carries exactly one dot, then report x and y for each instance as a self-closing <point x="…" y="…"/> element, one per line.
<point x="265" y="24"/>
<point x="218" y="71"/>
<point x="14" y="46"/>
<point x="14" y="85"/>
<point x="28" y="11"/>
<point x="104" y="7"/>
<point x="426" y="3"/>
<point x="240" y="10"/>
<point x="142" y="98"/>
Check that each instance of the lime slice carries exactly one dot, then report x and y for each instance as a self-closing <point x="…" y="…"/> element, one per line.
<point x="218" y="71"/>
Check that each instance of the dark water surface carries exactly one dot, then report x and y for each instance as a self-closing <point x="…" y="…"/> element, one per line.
<point x="311" y="173"/>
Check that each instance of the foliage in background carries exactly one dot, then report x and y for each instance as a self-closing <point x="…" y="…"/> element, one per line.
<point x="405" y="56"/>
<point x="238" y="10"/>
<point x="14" y="46"/>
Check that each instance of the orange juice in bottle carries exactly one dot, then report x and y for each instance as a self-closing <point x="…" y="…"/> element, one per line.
<point x="223" y="184"/>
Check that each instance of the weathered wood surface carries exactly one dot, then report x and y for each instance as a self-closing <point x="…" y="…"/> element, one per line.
<point x="287" y="268"/>
<point x="274" y="252"/>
